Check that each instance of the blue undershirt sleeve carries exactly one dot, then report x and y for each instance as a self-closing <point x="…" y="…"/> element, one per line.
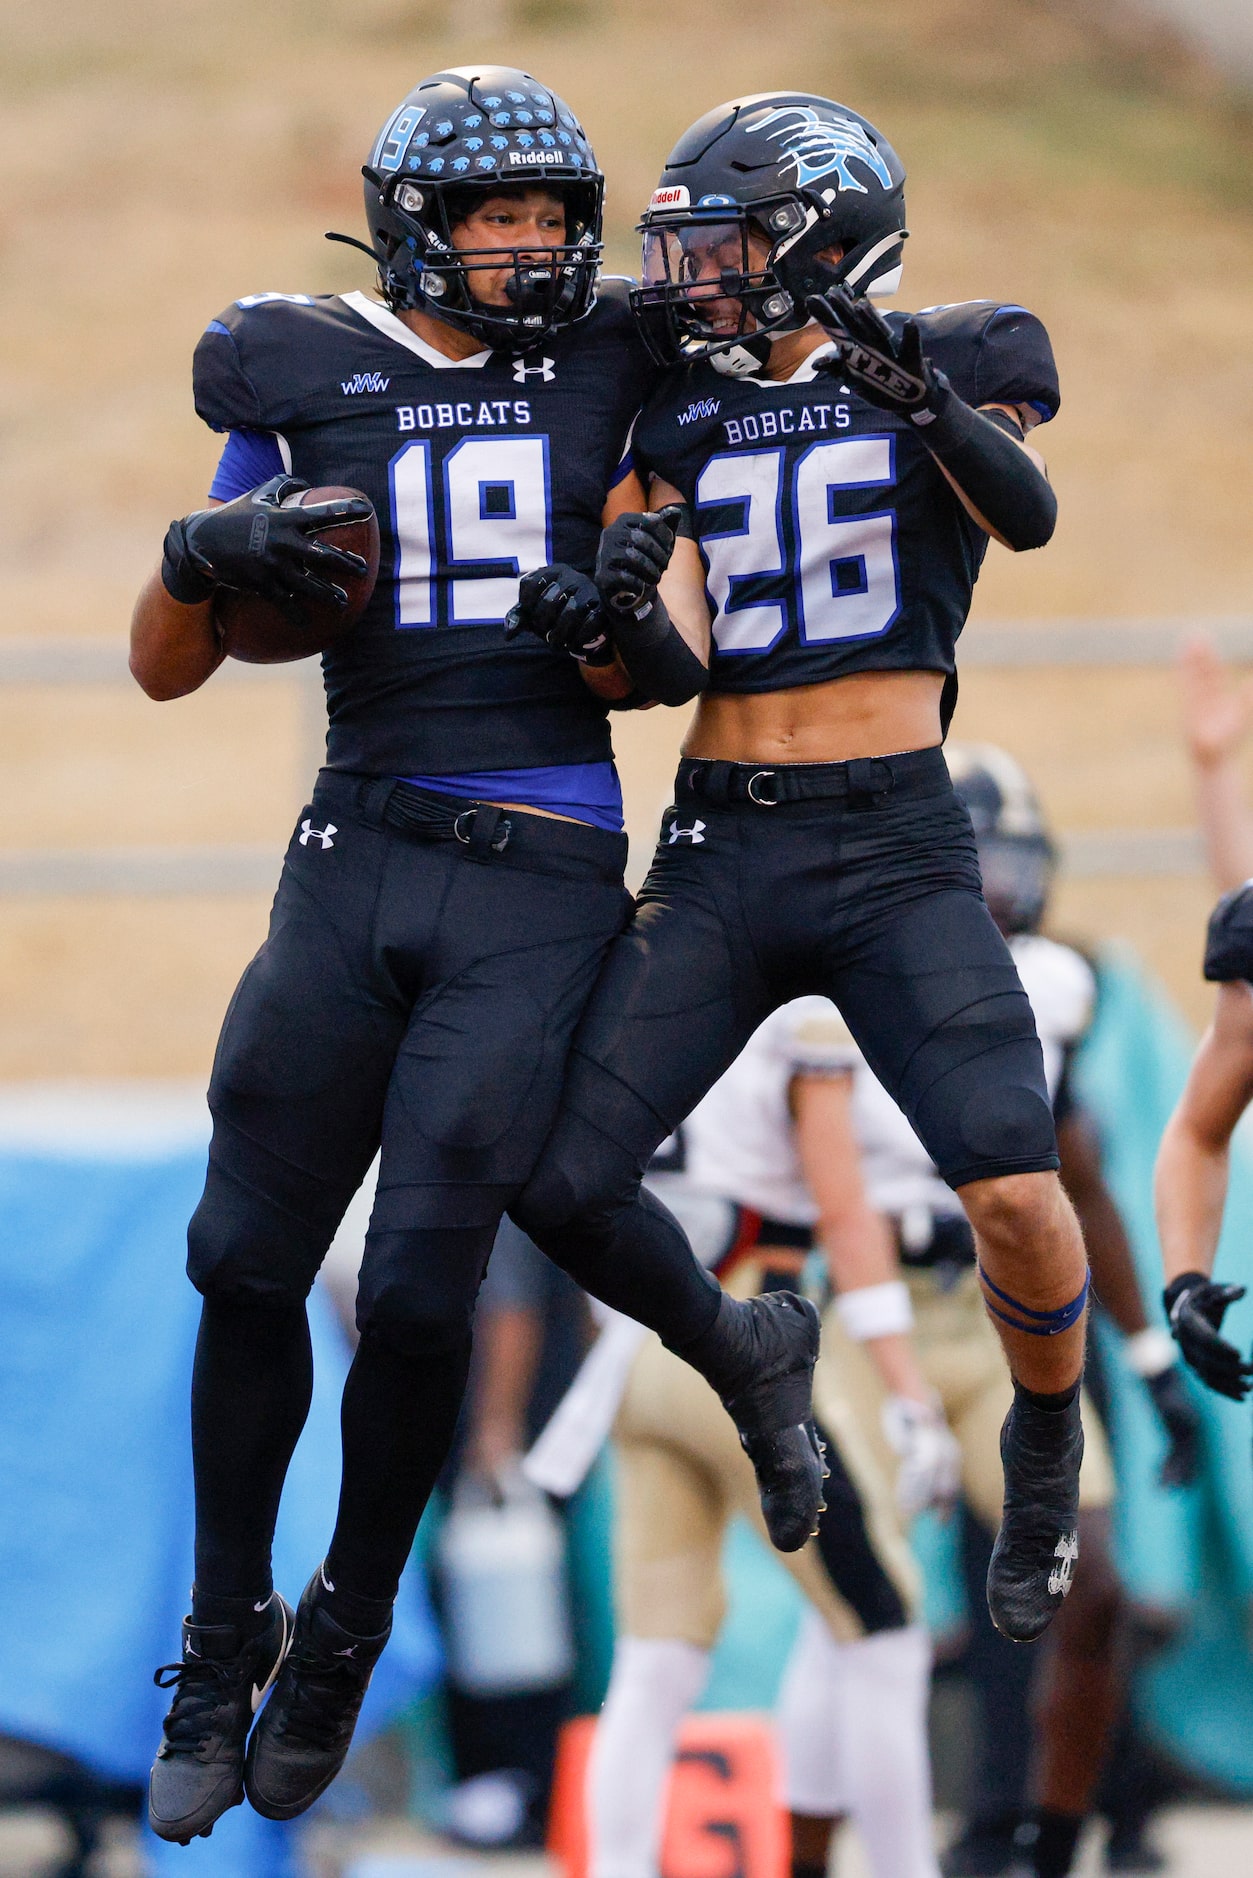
<point x="249" y="458"/>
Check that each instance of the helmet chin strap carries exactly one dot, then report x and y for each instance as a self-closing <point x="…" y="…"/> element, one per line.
<point x="746" y="359"/>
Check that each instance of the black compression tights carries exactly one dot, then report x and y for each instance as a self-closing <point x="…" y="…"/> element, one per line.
<point x="400" y="1410"/>
<point x="251" y="1388"/>
<point x="250" y="1393"/>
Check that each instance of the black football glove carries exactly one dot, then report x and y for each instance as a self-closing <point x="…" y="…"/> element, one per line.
<point x="257" y="546"/>
<point x="633" y="555"/>
<point x="1181" y="1419"/>
<point x="563" y="608"/>
<point x="893" y="373"/>
<point x="1195" y="1307"/>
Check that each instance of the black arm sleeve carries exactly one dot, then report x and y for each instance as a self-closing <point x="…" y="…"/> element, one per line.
<point x="657" y="657"/>
<point x="988" y="465"/>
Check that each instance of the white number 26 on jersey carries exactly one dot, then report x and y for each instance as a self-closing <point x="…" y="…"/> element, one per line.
<point x="839" y="581"/>
<point x="467" y="537"/>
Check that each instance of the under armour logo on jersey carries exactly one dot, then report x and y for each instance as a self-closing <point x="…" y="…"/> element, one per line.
<point x="546" y="370"/>
<point x="693" y="834"/>
<point x="363" y="381"/>
<point x="1067" y="1550"/>
<point x="309" y="833"/>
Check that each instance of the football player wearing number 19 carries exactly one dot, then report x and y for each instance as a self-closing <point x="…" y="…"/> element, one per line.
<point x="842" y="474"/>
<point x="446" y="901"/>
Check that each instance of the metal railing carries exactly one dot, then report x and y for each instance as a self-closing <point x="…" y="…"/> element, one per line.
<point x="248" y="868"/>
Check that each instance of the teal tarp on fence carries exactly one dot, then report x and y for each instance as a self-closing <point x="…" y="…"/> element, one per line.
<point x="1190" y="1551"/>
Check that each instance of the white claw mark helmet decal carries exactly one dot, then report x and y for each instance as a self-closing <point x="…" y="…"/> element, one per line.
<point x="823" y="146"/>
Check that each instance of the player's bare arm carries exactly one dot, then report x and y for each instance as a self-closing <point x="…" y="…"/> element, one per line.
<point x="1190" y="1191"/>
<point x="174" y="648"/>
<point x="872" y="1300"/>
<point x="1217" y="710"/>
<point x="1148" y="1351"/>
<point x="1190" y="1184"/>
<point x="856" y="1239"/>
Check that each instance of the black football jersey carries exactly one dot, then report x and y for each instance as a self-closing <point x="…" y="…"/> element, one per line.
<point x="1229" y="939"/>
<point x="479" y="471"/>
<point x="832" y="541"/>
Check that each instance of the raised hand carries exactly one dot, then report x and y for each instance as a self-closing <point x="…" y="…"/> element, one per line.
<point x="633" y="555"/>
<point x="893" y="373"/>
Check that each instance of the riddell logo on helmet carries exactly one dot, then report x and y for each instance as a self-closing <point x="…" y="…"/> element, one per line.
<point x="677" y="196"/>
<point x="535" y="156"/>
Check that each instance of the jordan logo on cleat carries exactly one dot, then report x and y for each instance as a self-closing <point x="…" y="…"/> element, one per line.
<point x="350" y="1651"/>
<point x="1067" y="1550"/>
<point x="309" y="833"/>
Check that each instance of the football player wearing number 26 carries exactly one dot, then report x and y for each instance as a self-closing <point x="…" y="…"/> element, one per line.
<point x="446" y="900"/>
<point x="835" y="476"/>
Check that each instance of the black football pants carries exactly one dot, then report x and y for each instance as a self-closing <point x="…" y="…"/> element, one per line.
<point x="416" y="995"/>
<point x="871" y="898"/>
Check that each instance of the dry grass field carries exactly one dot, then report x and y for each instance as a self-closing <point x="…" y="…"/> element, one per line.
<point x="158" y="158"/>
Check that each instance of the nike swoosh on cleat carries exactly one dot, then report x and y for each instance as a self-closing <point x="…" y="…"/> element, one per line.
<point x="259" y="1694"/>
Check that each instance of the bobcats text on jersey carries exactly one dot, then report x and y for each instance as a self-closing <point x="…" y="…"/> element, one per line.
<point x="831" y="539"/>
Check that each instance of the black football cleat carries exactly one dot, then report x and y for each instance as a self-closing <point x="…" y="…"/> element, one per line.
<point x="773" y="1413"/>
<point x="303" y="1738"/>
<point x="220" y="1684"/>
<point x="1033" y="1561"/>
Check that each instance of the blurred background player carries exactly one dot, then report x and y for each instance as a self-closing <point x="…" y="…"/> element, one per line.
<point x="1190" y="1185"/>
<point x="841" y="476"/>
<point x="1078" y="1684"/>
<point x="444" y="905"/>
<point x="758" y="1173"/>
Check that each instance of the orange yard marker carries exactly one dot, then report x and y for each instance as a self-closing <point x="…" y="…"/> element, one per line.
<point x="724" y="1816"/>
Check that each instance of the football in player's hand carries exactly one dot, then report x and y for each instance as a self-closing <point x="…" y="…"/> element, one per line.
<point x="268" y="632"/>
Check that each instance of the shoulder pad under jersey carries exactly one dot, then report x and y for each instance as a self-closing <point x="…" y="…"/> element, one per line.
<point x="1229" y="938"/>
<point x="251" y="363"/>
<point x="992" y="353"/>
<point x="615" y="290"/>
<point x="1060" y="984"/>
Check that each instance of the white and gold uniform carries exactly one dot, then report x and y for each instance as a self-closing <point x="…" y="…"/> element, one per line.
<point x="862" y="1749"/>
<point x="682" y="1472"/>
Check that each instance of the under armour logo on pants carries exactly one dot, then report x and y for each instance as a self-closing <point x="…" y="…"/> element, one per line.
<point x="309" y="833"/>
<point x="693" y="834"/>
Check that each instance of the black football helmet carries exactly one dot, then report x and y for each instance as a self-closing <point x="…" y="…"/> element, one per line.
<point x="470" y="131"/>
<point x="801" y="173"/>
<point x="1017" y="857"/>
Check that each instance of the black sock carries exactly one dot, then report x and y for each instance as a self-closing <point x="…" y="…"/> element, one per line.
<point x="242" y="1613"/>
<point x="360" y="1617"/>
<point x="399" y="1412"/>
<point x="801" y="1870"/>
<point x="725" y="1354"/>
<point x="250" y="1392"/>
<point x="1050" y="1840"/>
<point x="1052" y="1404"/>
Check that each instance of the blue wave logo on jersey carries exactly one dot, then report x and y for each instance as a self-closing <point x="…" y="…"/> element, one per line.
<point x="823" y="146"/>
<point x="363" y="381"/>
<point x="699" y="408"/>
